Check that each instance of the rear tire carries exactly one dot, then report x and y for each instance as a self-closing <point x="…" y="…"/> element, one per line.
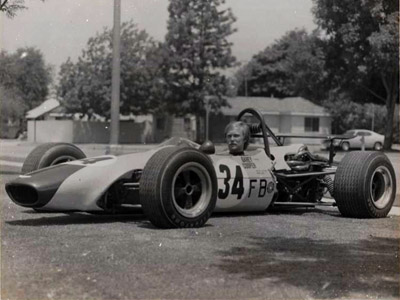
<point x="178" y="188"/>
<point x="51" y="154"/>
<point x="365" y="185"/>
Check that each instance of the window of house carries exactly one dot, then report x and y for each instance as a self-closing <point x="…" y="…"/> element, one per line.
<point x="160" y="123"/>
<point x="311" y="124"/>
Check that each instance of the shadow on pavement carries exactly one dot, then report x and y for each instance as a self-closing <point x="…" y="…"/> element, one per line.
<point x="77" y="218"/>
<point x="324" y="268"/>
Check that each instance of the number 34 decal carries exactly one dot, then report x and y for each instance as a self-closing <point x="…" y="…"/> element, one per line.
<point x="237" y="187"/>
<point x="261" y="185"/>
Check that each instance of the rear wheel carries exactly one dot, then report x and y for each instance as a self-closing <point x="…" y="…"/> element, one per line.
<point x="365" y="185"/>
<point x="178" y="188"/>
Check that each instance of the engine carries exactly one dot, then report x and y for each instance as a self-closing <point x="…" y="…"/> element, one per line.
<point x="304" y="188"/>
<point x="304" y="160"/>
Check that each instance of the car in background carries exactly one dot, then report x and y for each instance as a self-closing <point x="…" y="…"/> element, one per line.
<point x="372" y="140"/>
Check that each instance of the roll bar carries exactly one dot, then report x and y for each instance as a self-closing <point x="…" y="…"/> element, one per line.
<point x="262" y="126"/>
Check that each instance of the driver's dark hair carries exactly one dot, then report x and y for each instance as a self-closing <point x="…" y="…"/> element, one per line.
<point x="243" y="127"/>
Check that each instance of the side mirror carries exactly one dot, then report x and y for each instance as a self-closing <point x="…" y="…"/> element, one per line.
<point x="207" y="147"/>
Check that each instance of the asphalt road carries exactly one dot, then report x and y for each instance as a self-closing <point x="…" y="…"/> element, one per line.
<point x="300" y="254"/>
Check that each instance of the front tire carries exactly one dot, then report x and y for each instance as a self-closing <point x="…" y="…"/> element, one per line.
<point x="50" y="154"/>
<point x="365" y="185"/>
<point x="178" y="188"/>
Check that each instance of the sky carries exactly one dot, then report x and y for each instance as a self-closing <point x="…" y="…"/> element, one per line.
<point x="61" y="28"/>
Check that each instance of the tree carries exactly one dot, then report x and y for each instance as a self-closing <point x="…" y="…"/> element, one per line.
<point x="12" y="107"/>
<point x="348" y="115"/>
<point x="85" y="86"/>
<point x="197" y="50"/>
<point x="362" y="50"/>
<point x="292" y="66"/>
<point x="10" y="7"/>
<point x="26" y="74"/>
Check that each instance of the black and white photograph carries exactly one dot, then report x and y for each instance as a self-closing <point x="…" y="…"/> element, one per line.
<point x="199" y="149"/>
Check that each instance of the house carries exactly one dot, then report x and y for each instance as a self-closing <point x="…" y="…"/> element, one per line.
<point x="49" y="123"/>
<point x="293" y="115"/>
<point x="166" y="126"/>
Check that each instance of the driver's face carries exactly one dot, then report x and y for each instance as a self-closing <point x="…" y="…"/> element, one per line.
<point x="235" y="140"/>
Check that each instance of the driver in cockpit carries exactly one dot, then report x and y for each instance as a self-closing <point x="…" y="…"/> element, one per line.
<point x="237" y="136"/>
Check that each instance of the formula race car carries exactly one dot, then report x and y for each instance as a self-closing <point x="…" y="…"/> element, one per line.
<point x="180" y="183"/>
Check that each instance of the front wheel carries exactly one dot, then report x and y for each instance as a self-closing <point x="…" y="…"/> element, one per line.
<point x="50" y="154"/>
<point x="178" y="188"/>
<point x="365" y="185"/>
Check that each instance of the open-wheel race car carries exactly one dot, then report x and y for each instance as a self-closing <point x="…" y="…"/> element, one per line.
<point x="180" y="183"/>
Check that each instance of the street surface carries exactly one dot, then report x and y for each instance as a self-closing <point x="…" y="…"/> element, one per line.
<point x="284" y="254"/>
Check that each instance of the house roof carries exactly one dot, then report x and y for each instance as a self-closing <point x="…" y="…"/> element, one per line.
<point x="274" y="106"/>
<point x="45" y="107"/>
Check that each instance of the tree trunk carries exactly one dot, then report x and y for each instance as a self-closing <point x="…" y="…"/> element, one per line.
<point x="392" y="91"/>
<point x="390" y="105"/>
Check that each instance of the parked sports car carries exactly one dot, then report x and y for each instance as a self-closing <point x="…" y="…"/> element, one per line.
<point x="180" y="183"/>
<point x="372" y="140"/>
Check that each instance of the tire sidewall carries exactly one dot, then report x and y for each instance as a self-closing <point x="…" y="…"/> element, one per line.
<point x="379" y="160"/>
<point x="165" y="188"/>
<point x="58" y="151"/>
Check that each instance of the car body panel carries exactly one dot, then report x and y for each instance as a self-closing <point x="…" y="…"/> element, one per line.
<point x="82" y="189"/>
<point x="245" y="182"/>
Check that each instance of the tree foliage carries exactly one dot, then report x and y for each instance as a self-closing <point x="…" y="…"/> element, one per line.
<point x="12" y="106"/>
<point x="362" y="50"/>
<point x="85" y="86"/>
<point x="292" y="66"/>
<point x="26" y="75"/>
<point x="197" y="49"/>
<point x="11" y="7"/>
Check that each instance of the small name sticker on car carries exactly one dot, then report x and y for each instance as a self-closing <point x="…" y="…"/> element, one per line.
<point x="247" y="162"/>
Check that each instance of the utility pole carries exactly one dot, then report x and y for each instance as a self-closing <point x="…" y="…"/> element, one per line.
<point x="245" y="83"/>
<point x="207" y="102"/>
<point x="115" y="81"/>
<point x="373" y="117"/>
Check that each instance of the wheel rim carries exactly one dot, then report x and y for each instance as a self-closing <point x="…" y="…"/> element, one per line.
<point x="191" y="190"/>
<point x="345" y="146"/>
<point x="62" y="159"/>
<point x="381" y="187"/>
<point x="378" y="146"/>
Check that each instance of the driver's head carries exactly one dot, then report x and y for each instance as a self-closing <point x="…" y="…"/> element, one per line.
<point x="237" y="135"/>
